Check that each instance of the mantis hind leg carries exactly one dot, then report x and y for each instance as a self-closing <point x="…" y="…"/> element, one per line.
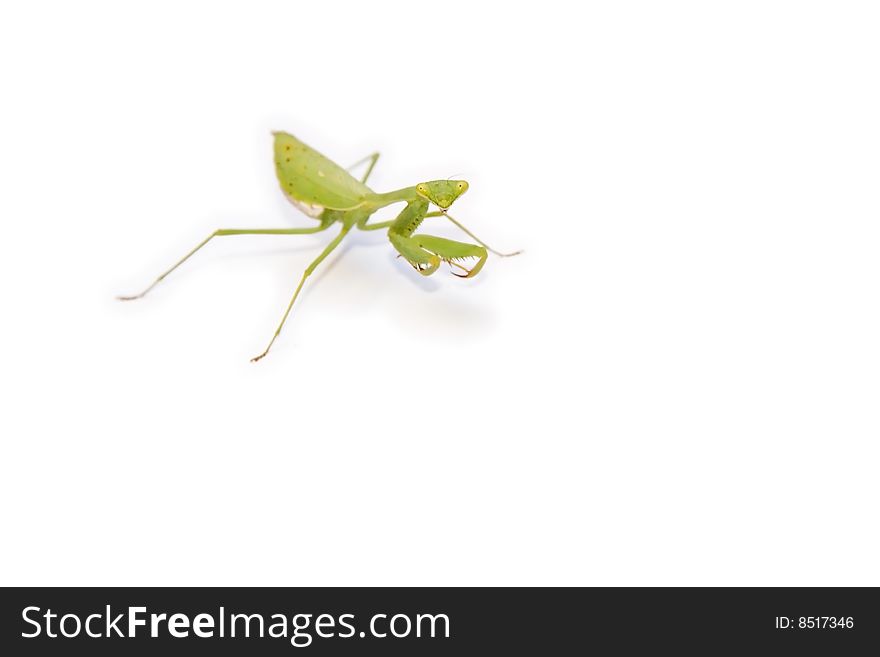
<point x="222" y="233"/>
<point x="372" y="159"/>
<point x="426" y="252"/>
<point x="308" y="272"/>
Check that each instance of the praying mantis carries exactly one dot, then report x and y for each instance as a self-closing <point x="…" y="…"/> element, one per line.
<point x="325" y="191"/>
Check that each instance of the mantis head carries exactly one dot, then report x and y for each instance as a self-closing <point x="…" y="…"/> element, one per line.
<point x="442" y="193"/>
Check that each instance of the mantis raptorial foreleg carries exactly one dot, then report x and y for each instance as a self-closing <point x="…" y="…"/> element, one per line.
<point x="230" y="231"/>
<point x="448" y="251"/>
<point x="426" y="252"/>
<point x="317" y="261"/>
<point x="422" y="261"/>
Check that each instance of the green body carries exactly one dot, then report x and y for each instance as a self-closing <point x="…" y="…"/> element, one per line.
<point x="325" y="191"/>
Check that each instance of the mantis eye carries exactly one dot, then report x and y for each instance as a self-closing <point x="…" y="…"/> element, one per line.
<point x="421" y="189"/>
<point x="462" y="186"/>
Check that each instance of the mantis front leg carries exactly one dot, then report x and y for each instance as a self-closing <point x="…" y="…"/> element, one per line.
<point x="439" y="249"/>
<point x="426" y="252"/>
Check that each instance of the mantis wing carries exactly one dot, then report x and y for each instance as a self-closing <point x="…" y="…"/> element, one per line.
<point x="313" y="182"/>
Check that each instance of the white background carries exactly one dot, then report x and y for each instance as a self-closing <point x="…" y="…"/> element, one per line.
<point x="677" y="383"/>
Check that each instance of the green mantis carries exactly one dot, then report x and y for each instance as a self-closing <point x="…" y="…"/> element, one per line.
<point x="325" y="191"/>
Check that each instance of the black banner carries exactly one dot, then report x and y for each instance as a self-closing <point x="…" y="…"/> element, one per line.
<point x="431" y="621"/>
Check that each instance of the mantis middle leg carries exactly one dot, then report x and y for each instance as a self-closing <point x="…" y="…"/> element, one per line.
<point x="308" y="272"/>
<point x="439" y="213"/>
